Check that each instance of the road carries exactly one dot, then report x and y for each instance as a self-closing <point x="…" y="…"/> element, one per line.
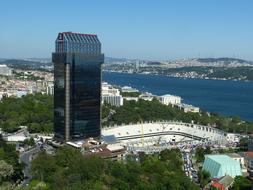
<point x="26" y="159"/>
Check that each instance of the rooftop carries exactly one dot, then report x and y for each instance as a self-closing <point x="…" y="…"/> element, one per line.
<point x="169" y="95"/>
<point x="72" y="42"/>
<point x="221" y="159"/>
<point x="249" y="154"/>
<point x="234" y="155"/>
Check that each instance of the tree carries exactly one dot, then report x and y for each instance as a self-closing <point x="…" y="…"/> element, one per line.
<point x="241" y="183"/>
<point x="204" y="177"/>
<point x="29" y="142"/>
<point x="201" y="152"/>
<point x="6" y="170"/>
<point x="69" y="170"/>
<point x="43" y="167"/>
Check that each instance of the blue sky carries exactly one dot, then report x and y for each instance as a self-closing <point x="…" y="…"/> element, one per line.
<point x="146" y="29"/>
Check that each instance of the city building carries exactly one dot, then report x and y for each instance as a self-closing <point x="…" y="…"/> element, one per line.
<point x="233" y="137"/>
<point x="188" y="108"/>
<point x="50" y="88"/>
<point x="240" y="159"/>
<point x="5" y="70"/>
<point x="224" y="183"/>
<point x="77" y="86"/>
<point x="113" y="100"/>
<point x="221" y="165"/>
<point x="128" y="89"/>
<point x="146" y="96"/>
<point x="111" y="95"/>
<point x="248" y="157"/>
<point x="168" y="99"/>
<point x="108" y="89"/>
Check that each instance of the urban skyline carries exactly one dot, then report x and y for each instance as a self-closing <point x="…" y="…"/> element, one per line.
<point x="132" y="29"/>
<point x="171" y="108"/>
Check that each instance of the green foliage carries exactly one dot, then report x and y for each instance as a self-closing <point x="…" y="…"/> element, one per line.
<point x="132" y="112"/>
<point x="201" y="152"/>
<point x="241" y="183"/>
<point x="37" y="185"/>
<point x="243" y="144"/>
<point x="29" y="142"/>
<point x="34" y="111"/>
<point x="6" y="170"/>
<point x="68" y="169"/>
<point x="105" y="110"/>
<point x="9" y="163"/>
<point x="204" y="177"/>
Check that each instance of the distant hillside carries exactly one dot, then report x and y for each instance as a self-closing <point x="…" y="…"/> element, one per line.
<point x="154" y="63"/>
<point x="225" y="60"/>
<point x="26" y="64"/>
<point x="112" y="59"/>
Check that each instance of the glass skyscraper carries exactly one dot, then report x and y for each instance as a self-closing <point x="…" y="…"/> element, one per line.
<point x="77" y="89"/>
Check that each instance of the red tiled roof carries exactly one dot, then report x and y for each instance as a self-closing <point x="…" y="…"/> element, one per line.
<point x="218" y="186"/>
<point x="249" y="154"/>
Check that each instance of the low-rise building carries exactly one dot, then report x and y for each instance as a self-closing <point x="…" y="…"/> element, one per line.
<point x="147" y="96"/>
<point x="111" y="95"/>
<point x="131" y="98"/>
<point x="240" y="159"/>
<point x="15" y="138"/>
<point x="113" y="100"/>
<point x="168" y="99"/>
<point x="233" y="137"/>
<point x="188" y="108"/>
<point x="128" y="89"/>
<point x="223" y="183"/>
<point x="248" y="156"/>
<point x="221" y="165"/>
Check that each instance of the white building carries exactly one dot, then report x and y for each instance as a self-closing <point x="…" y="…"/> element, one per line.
<point x="188" y="108"/>
<point x="128" y="89"/>
<point x="131" y="98"/>
<point x="107" y="89"/>
<point x="111" y="95"/>
<point x="168" y="99"/>
<point x="147" y="96"/>
<point x="50" y="89"/>
<point x="113" y="100"/>
<point x="15" y="138"/>
<point x="6" y="71"/>
<point x="233" y="137"/>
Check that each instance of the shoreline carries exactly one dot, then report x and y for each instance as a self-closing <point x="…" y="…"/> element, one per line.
<point x="181" y="77"/>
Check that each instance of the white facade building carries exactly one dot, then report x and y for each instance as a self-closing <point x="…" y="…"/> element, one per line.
<point x="6" y="71"/>
<point x="168" y="99"/>
<point x="50" y="89"/>
<point x="128" y="89"/>
<point x="113" y="100"/>
<point x="107" y="89"/>
<point x="111" y="95"/>
<point x="188" y="108"/>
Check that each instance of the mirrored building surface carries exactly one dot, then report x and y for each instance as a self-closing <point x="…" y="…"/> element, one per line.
<point x="77" y="90"/>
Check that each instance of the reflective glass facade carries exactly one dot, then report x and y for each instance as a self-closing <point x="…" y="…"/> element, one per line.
<point x="77" y="97"/>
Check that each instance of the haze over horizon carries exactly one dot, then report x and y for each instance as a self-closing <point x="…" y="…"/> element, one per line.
<point x="154" y="30"/>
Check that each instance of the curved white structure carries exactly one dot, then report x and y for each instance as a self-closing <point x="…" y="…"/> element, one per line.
<point x="164" y="132"/>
